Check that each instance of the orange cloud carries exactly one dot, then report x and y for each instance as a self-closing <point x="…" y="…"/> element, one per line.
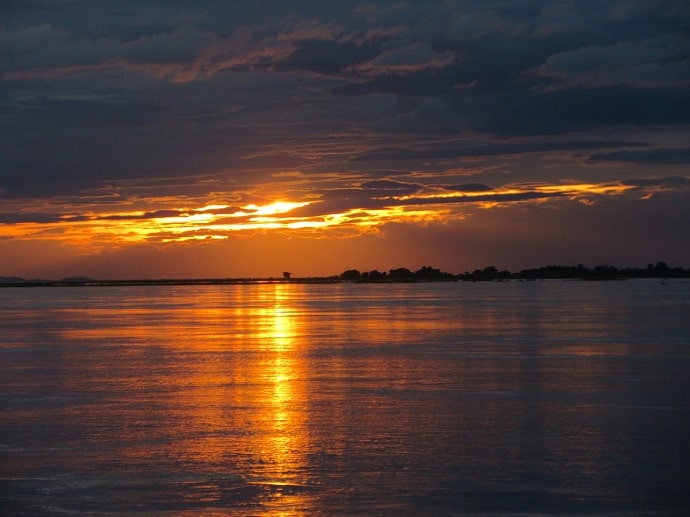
<point x="331" y="213"/>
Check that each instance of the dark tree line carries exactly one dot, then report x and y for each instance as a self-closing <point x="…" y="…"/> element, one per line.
<point x="605" y="272"/>
<point x="426" y="273"/>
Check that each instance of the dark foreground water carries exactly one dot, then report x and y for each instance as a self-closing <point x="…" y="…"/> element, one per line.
<point x="516" y="398"/>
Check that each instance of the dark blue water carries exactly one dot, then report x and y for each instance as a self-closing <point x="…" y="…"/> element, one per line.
<point x="513" y="398"/>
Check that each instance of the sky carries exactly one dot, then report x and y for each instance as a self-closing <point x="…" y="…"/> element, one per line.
<point x="173" y="139"/>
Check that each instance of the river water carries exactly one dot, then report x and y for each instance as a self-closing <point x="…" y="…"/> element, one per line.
<point x="488" y="398"/>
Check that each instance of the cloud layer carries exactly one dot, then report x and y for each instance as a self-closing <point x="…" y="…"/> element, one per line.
<point x="127" y="120"/>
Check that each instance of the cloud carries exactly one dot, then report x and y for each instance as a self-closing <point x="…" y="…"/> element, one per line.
<point x="655" y="62"/>
<point x="392" y="186"/>
<point x="328" y="57"/>
<point x="29" y="217"/>
<point x="126" y="115"/>
<point x="495" y="197"/>
<point x="665" y="156"/>
<point x="678" y="182"/>
<point x="405" y="60"/>
<point x="157" y="214"/>
<point x="469" y="187"/>
<point x="457" y="150"/>
<point x="180" y="55"/>
<point x="572" y="110"/>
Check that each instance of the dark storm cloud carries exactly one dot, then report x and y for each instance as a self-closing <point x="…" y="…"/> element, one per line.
<point x="107" y="92"/>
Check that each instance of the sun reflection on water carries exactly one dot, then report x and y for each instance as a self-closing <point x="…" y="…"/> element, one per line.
<point x="283" y="444"/>
<point x="231" y="399"/>
<point x="342" y="399"/>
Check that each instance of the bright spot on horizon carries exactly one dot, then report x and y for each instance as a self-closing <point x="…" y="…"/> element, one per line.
<point x="277" y="207"/>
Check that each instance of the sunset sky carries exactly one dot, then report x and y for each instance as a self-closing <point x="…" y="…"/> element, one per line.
<point x="169" y="139"/>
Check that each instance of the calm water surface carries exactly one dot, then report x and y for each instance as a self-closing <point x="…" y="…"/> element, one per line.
<point x="515" y="398"/>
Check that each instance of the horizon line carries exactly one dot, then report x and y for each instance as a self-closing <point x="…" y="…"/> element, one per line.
<point x="426" y="273"/>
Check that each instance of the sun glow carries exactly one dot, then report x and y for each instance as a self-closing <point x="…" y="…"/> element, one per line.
<point x="168" y="220"/>
<point x="279" y="207"/>
<point x="212" y="207"/>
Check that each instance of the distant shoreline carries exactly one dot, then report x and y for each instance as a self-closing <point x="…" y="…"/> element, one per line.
<point x="401" y="275"/>
<point x="166" y="281"/>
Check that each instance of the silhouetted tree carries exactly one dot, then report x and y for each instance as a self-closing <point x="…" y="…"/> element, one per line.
<point x="430" y="273"/>
<point x="488" y="273"/>
<point x="351" y="274"/>
<point x="401" y="273"/>
<point x="661" y="268"/>
<point x="605" y="271"/>
<point x="376" y="275"/>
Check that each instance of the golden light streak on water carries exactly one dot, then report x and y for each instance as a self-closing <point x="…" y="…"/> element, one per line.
<point x="295" y="399"/>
